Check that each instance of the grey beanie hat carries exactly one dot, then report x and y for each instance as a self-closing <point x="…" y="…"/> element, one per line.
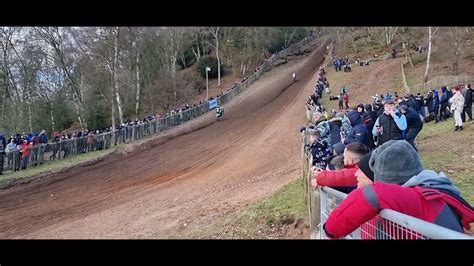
<point x="395" y="162"/>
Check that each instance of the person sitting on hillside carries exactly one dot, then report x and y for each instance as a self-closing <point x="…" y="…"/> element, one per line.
<point x="401" y="184"/>
<point x="348" y="67"/>
<point x="333" y="98"/>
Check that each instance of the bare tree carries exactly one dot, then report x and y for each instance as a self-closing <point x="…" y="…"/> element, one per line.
<point x="406" y="36"/>
<point x="6" y="34"/>
<point x="384" y="36"/>
<point x="215" y="32"/>
<point x="390" y="34"/>
<point x="113" y="69"/>
<point x="455" y="38"/>
<point x="197" y="46"/>
<point x="56" y="39"/>
<point x="173" y="47"/>
<point x="50" y="83"/>
<point x="431" y="35"/>
<point x="136" y="47"/>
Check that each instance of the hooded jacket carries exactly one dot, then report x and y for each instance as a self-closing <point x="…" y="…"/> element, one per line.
<point x="427" y="196"/>
<point x="359" y="131"/>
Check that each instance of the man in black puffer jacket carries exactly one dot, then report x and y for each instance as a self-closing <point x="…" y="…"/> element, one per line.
<point x="467" y="103"/>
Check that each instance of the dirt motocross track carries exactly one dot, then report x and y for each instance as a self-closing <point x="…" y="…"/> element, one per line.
<point x="187" y="175"/>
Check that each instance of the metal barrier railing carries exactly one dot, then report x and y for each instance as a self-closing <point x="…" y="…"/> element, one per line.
<point x="388" y="224"/>
<point x="66" y="148"/>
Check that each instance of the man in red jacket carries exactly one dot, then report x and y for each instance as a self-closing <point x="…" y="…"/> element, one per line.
<point x="401" y="185"/>
<point x="343" y="178"/>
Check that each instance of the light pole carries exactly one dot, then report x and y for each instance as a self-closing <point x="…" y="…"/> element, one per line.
<point x="207" y="83"/>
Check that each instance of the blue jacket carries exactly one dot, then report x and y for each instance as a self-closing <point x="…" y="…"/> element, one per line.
<point x="413" y="119"/>
<point x="359" y="131"/>
<point x="444" y="97"/>
<point x="43" y="138"/>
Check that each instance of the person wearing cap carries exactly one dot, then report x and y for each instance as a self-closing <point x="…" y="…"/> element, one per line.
<point x="414" y="124"/>
<point x="343" y="180"/>
<point x="401" y="184"/>
<point x="364" y="175"/>
<point x="390" y="124"/>
<point x="457" y="106"/>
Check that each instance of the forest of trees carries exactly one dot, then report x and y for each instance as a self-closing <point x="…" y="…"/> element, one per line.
<point x="55" y="78"/>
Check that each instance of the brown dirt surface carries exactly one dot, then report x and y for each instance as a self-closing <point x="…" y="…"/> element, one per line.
<point x="179" y="179"/>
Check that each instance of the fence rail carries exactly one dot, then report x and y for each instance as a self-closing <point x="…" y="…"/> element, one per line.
<point x="68" y="148"/>
<point x="439" y="81"/>
<point x="388" y="224"/>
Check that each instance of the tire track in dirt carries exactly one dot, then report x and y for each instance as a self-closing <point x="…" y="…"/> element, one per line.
<point x="191" y="170"/>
